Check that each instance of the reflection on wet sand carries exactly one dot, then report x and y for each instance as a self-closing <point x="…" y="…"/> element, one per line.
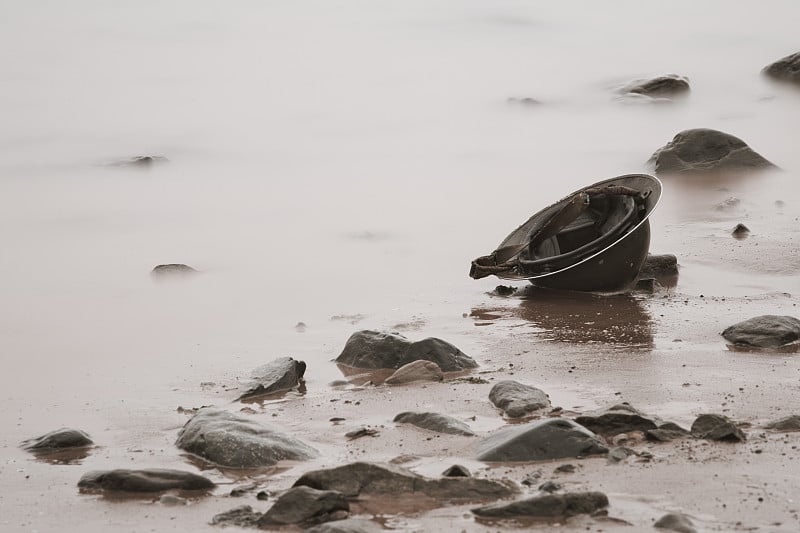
<point x="70" y="456"/>
<point x="619" y="320"/>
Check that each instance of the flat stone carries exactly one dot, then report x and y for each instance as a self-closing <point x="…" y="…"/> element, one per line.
<point x="300" y="505"/>
<point x="457" y="471"/>
<point x="550" y="506"/>
<point x="785" y="69"/>
<point x="242" y="516"/>
<point x="765" y="331"/>
<point x="416" y="371"/>
<point x="147" y="480"/>
<point x="435" y="422"/>
<point x="360" y="478"/>
<point x="553" y="438"/>
<point x="172" y="270"/>
<point x="60" y="439"/>
<point x="280" y="375"/>
<point x="668" y="86"/>
<point x="666" y="432"/>
<point x="716" y="427"/>
<point x="707" y="150"/>
<point x="229" y="440"/>
<point x="374" y="349"/>
<point x="620" y="418"/>
<point x="351" y="525"/>
<point x="517" y="399"/>
<point x="786" y="424"/>
<point x="676" y="522"/>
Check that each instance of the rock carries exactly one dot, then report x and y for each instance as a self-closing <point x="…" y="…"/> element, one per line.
<point x="172" y="270"/>
<point x="356" y="479"/>
<point x="457" y="471"/>
<point x="666" y="432"/>
<point x="280" y="375"/>
<point x="765" y="331"/>
<point x="229" y="440"/>
<point x="242" y="516"/>
<point x="552" y="506"/>
<point x="668" y="86"/>
<point x="676" y="522"/>
<point x="706" y="150"/>
<point x="646" y="286"/>
<point x="374" y="349"/>
<point x="140" y="161"/>
<point x="620" y="453"/>
<point x="740" y="231"/>
<point x="435" y="422"/>
<point x="504" y="290"/>
<point x="564" y="469"/>
<point x="550" y="486"/>
<point x="416" y="371"/>
<point x="148" y="480"/>
<point x="351" y="525"/>
<point x="786" y="424"/>
<point x="716" y="427"/>
<point x="300" y="505"/>
<point x="526" y="101"/>
<point x="620" y="418"/>
<point x="362" y="432"/>
<point x="518" y="400"/>
<point x="659" y="266"/>
<point x="554" y="438"/>
<point x="60" y="439"/>
<point x="785" y="69"/>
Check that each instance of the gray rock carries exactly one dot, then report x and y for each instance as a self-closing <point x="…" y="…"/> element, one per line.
<point x="676" y="522"/>
<point x="140" y="161"/>
<point x="300" y="505"/>
<point x="666" y="432"/>
<point x="147" y="480"/>
<point x="740" y="231"/>
<point x="716" y="427"/>
<point x="351" y="525"/>
<point x="620" y="453"/>
<point x="785" y="69"/>
<point x="659" y="266"/>
<point x="374" y="478"/>
<point x="229" y="440"/>
<point x="416" y="371"/>
<point x="706" y="150"/>
<point x="552" y="506"/>
<point x="765" y="331"/>
<point x="554" y="438"/>
<point x="785" y="424"/>
<point x="550" y="486"/>
<point x="518" y="400"/>
<point x="457" y="471"/>
<point x="57" y="440"/>
<point x="374" y="349"/>
<point x="668" y="86"/>
<point x="242" y="516"/>
<point x="280" y="375"/>
<point x="620" y="418"/>
<point x="435" y="422"/>
<point x="172" y="270"/>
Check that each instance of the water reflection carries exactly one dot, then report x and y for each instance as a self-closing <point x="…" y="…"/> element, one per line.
<point x="67" y="456"/>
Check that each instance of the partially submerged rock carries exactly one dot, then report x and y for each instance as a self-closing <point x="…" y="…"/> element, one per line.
<point x="303" y="505"/>
<point x="668" y="86"/>
<point x="765" y="331"/>
<point x="676" y="522"/>
<point x="172" y="270"/>
<point x="140" y="161"/>
<point x="233" y="441"/>
<point x="374" y="349"/>
<point x="350" y="525"/>
<point x="549" y="506"/>
<point x="785" y="69"/>
<point x="147" y="480"/>
<point x="361" y="479"/>
<point x="280" y="375"/>
<point x="457" y="471"/>
<point x="740" y="231"/>
<point x="785" y="424"/>
<point x="416" y="371"/>
<point x="58" y="440"/>
<point x="659" y="266"/>
<point x="242" y="516"/>
<point x="716" y="427"/>
<point x="620" y="418"/>
<point x="435" y="422"/>
<point x="554" y="438"/>
<point x="707" y="150"/>
<point x="666" y="432"/>
<point x="517" y="399"/>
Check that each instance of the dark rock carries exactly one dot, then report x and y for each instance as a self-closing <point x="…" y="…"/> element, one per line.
<point x="373" y="349"/>
<point x="172" y="270"/>
<point x="740" y="231"/>
<point x="300" y="505"/>
<point x="765" y="331"/>
<point x="564" y="469"/>
<point x="550" y="486"/>
<point x="416" y="371"/>
<point x="620" y="418"/>
<point x="57" y="440"/>
<point x="676" y="522"/>
<point x="659" y="266"/>
<point x="504" y="290"/>
<point x="620" y="453"/>
<point x="373" y="478"/>
<point x="647" y="285"/>
<point x="435" y="422"/>
<point x="280" y="375"/>
<point x="706" y="150"/>
<point x="785" y="69"/>
<point x="262" y="495"/>
<point x="351" y="525"/>
<point x="362" y="432"/>
<point x="554" y="438"/>
<point x="552" y="506"/>
<point x="148" y="480"/>
<point x="518" y="400"/>
<point x="140" y="161"/>
<point x="667" y="86"/>
<point x="229" y="440"/>
<point x="716" y="427"/>
<point x="666" y="432"/>
<point x="786" y="424"/>
<point x="242" y="516"/>
<point x="457" y="471"/>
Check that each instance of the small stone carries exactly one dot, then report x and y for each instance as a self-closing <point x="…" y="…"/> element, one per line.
<point x="375" y="349"/>
<point x="785" y="424"/>
<point x="242" y="516"/>
<point x="765" y="331"/>
<point x="147" y="480"/>
<point x="551" y="506"/>
<point x="553" y="438"/>
<point x="60" y="439"/>
<point x="416" y="371"/>
<point x="668" y="86"/>
<point x="517" y="399"/>
<point x="620" y="418"/>
<point x="435" y="422"/>
<point x="300" y="327"/>
<point x="362" y="432"/>
<point x="303" y="505"/>
<point x="172" y="270"/>
<point x="676" y="522"/>
<point x="785" y="69"/>
<point x="740" y="231"/>
<point x="280" y="375"/>
<point x="262" y="496"/>
<point x="716" y="427"/>
<point x="620" y="453"/>
<point x="457" y="471"/>
<point x="550" y="486"/>
<point x="504" y="290"/>
<point x="564" y="469"/>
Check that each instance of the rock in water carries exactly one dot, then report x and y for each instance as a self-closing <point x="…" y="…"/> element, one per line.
<point x="374" y="478"/>
<point x="172" y="270"/>
<point x="785" y="69"/>
<point x="550" y="506"/>
<point x="457" y="471"/>
<point x="351" y="525"/>
<point x="786" y="424"/>
<point x="416" y="371"/>
<point x="518" y="400"/>
<point x="668" y="86"/>
<point x="676" y="522"/>
<point x="280" y="375"/>
<point x="554" y="438"/>
<point x="659" y="266"/>
<point x="706" y="150"/>
<point x="716" y="427"/>
<point x="435" y="422"/>
<point x="60" y="439"/>
<point x="229" y="440"/>
<point x="620" y="418"/>
<point x="374" y="349"/>
<point x="740" y="231"/>
<point x="301" y="505"/>
<point x="765" y="331"/>
<point x="148" y="480"/>
<point x="242" y="516"/>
